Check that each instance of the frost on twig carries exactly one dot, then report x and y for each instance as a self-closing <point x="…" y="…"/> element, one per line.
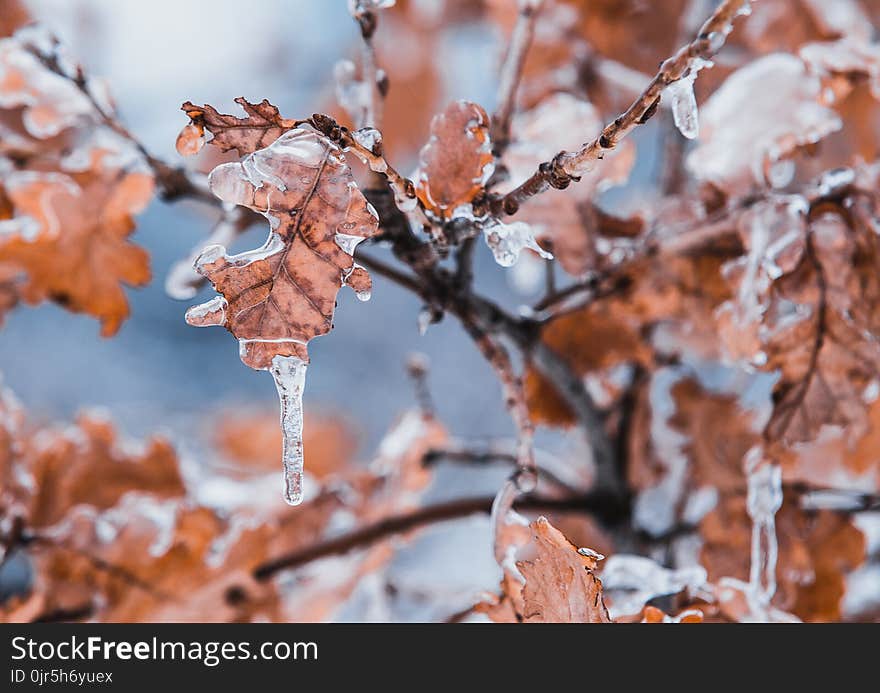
<point x="511" y="71"/>
<point x="525" y="477"/>
<point x="566" y="167"/>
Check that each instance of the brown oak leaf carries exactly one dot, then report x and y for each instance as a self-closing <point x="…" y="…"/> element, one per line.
<point x="72" y="239"/>
<point x="558" y="583"/>
<point x="260" y="128"/>
<point x="277" y="298"/>
<point x="457" y="160"/>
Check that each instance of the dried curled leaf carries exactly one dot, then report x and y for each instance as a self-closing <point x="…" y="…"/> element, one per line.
<point x="276" y="299"/>
<point x="558" y="583"/>
<point x="260" y="128"/>
<point x="457" y="160"/>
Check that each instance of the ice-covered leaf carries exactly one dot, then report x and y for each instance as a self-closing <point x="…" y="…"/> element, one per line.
<point x="277" y="298"/>
<point x="558" y="582"/>
<point x="50" y="103"/>
<point x="86" y="464"/>
<point x="776" y="104"/>
<point x="71" y="185"/>
<point x="805" y="309"/>
<point x="457" y="160"/>
<point x="70" y="236"/>
<point x="261" y="126"/>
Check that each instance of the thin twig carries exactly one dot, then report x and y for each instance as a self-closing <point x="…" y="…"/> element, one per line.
<point x="511" y="72"/>
<point x="499" y="452"/>
<point x="566" y="167"/>
<point x="175" y="182"/>
<point x="601" y="505"/>
<point x="526" y="476"/>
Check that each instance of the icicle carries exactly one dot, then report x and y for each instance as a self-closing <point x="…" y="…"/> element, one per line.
<point x="510" y="530"/>
<point x="506" y="241"/>
<point x="289" y="373"/>
<point x="683" y="102"/>
<point x="764" y="500"/>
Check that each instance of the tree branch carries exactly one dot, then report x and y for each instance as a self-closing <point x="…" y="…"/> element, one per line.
<point x="566" y="167"/>
<point x="602" y="506"/>
<point x="511" y="72"/>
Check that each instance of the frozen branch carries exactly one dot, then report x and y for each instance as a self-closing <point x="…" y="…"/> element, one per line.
<point x="526" y="476"/>
<point x="603" y="507"/>
<point x="511" y="72"/>
<point x="566" y="167"/>
<point x="174" y="182"/>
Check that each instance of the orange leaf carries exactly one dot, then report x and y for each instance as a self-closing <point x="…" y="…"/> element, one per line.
<point x="457" y="160"/>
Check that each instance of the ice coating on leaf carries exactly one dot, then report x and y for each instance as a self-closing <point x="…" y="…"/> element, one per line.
<point x="51" y="102"/>
<point x="348" y="242"/>
<point x="207" y="314"/>
<point x="773" y="233"/>
<point x="634" y="580"/>
<point x="778" y="107"/>
<point x="683" y="102"/>
<point x="507" y="241"/>
<point x="843" y="59"/>
<point x="457" y="160"/>
<point x="289" y="373"/>
<point x="282" y="295"/>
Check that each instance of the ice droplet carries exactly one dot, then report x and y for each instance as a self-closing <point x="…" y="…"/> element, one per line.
<point x="426" y="317"/>
<point x="780" y="173"/>
<point x="289" y="373"/>
<point x="506" y="241"/>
